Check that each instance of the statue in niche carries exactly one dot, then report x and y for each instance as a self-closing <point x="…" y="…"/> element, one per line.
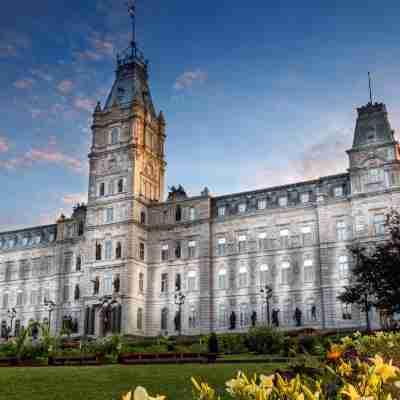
<point x="232" y="320"/>
<point x="297" y="316"/>
<point x="314" y="312"/>
<point x="275" y="317"/>
<point x="96" y="285"/>
<point x="253" y="318"/>
<point x="117" y="284"/>
<point x="177" y="321"/>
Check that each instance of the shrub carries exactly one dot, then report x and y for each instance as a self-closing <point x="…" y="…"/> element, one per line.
<point x="213" y="343"/>
<point x="311" y="344"/>
<point x="263" y="340"/>
<point x="232" y="343"/>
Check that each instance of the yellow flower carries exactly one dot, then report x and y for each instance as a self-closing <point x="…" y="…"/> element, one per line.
<point x="344" y="369"/>
<point x="267" y="381"/>
<point x="127" y="396"/>
<point x="384" y="370"/>
<point x="140" y="394"/>
<point x="351" y="392"/>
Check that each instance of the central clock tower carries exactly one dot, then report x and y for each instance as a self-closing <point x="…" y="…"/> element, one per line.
<point x="374" y="157"/>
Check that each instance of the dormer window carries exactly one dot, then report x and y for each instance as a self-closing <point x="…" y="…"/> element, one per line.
<point x="242" y="208"/>
<point x="338" y="191"/>
<point x="374" y="175"/>
<point x="262" y="204"/>
<point x="283" y="201"/>
<point x="305" y="197"/>
<point x="114" y="136"/>
<point x="221" y="211"/>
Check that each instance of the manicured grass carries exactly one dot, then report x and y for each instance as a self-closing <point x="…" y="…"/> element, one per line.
<point x="110" y="381"/>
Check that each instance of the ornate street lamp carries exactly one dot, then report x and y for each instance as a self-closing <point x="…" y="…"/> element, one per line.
<point x="267" y="292"/>
<point x="179" y="301"/>
<point x="12" y="313"/>
<point x="51" y="305"/>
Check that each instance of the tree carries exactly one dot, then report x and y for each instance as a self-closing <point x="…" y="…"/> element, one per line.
<point x="375" y="277"/>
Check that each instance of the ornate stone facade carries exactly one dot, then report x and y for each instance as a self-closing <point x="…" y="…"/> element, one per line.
<point x="117" y="264"/>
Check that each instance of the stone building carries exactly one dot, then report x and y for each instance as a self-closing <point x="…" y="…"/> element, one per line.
<point x="117" y="264"/>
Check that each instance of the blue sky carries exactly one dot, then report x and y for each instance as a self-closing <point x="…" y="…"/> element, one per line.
<point x="255" y="94"/>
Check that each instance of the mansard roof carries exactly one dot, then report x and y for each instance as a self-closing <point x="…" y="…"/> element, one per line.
<point x="28" y="237"/>
<point x="131" y="83"/>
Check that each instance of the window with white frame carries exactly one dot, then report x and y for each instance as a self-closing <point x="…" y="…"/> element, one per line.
<point x="285" y="273"/>
<point x="283" y="201"/>
<point x="338" y="191"/>
<point x="109" y="215"/>
<point x="311" y="310"/>
<point x="139" y="319"/>
<point x="222" y="315"/>
<point x="164" y="252"/>
<point x="242" y="243"/>
<point x="262" y="204"/>
<point x="192" y="319"/>
<point x="5" y="300"/>
<point x="222" y="281"/>
<point x="242" y="277"/>
<point x="221" y="211"/>
<point x="244" y="315"/>
<point x="111" y="187"/>
<point x="164" y="283"/>
<point x="242" y="207"/>
<point x="107" y="283"/>
<point x="192" y="249"/>
<point x="262" y="241"/>
<point x="341" y="230"/>
<point x="141" y="282"/>
<point x="65" y="295"/>
<point x="344" y="267"/>
<point x="20" y="298"/>
<point x="375" y="175"/>
<point x="284" y="234"/>
<point x="108" y="250"/>
<point x="379" y="224"/>
<point x="306" y="235"/>
<point x="264" y="274"/>
<point x="305" y="197"/>
<point x="221" y="246"/>
<point x="308" y="270"/>
<point x="191" y="281"/>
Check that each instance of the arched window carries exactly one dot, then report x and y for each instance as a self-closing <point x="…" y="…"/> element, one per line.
<point x="192" y="320"/>
<point x="285" y="273"/>
<point x="308" y="270"/>
<point x="244" y="315"/>
<point x="222" y="315"/>
<point x="311" y="310"/>
<point x="140" y="319"/>
<point x="164" y="319"/>
<point x="98" y="251"/>
<point x="118" y="251"/>
<point x="120" y="185"/>
<point x="178" y="213"/>
<point x="242" y="277"/>
<point x="78" y="265"/>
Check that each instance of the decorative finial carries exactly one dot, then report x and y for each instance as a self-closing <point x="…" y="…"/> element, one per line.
<point x="132" y="12"/>
<point x="370" y="87"/>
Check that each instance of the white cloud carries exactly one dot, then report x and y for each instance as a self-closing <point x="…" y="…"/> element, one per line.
<point x="86" y="104"/>
<point x="4" y="146"/>
<point x="65" y="86"/>
<point x="25" y="83"/>
<point x="189" y="78"/>
<point x="74" y="198"/>
<point x="41" y="74"/>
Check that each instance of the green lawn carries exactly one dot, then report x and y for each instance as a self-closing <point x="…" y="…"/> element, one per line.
<point x="109" y="382"/>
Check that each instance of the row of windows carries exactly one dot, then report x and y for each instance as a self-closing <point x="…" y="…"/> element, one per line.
<point x="108" y="251"/>
<point x="166" y="253"/>
<point x="191" y="282"/>
<point x="25" y="241"/>
<point x="113" y="186"/>
<point x="262" y="204"/>
<point x="344" y="232"/>
<point x="192" y="318"/>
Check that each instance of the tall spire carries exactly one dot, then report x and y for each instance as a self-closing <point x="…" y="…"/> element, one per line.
<point x="132" y="12"/>
<point x="370" y="87"/>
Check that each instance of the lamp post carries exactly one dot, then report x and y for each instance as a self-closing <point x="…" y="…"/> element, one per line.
<point x="51" y="305"/>
<point x="179" y="301"/>
<point x="267" y="292"/>
<point x="12" y="313"/>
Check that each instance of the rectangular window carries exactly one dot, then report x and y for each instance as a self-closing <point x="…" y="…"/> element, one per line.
<point x="343" y="267"/>
<point x="285" y="273"/>
<point x="379" y="224"/>
<point x="107" y="283"/>
<point x="141" y="251"/>
<point x="305" y="197"/>
<point x="284" y="234"/>
<point x="283" y="201"/>
<point x="141" y="282"/>
<point x="222" y="316"/>
<point x="191" y="281"/>
<point x="111" y="187"/>
<point x="5" y="300"/>
<point x="192" y="213"/>
<point x="308" y="271"/>
<point x="191" y="249"/>
<point x="221" y="246"/>
<point x="20" y="298"/>
<point x="346" y="311"/>
<point x="262" y="241"/>
<point x="67" y="263"/>
<point x="108" y="250"/>
<point x="341" y="230"/>
<point x="306" y="235"/>
<point x="262" y="204"/>
<point x="222" y="280"/>
<point x="109" y="215"/>
<point x="164" y="283"/>
<point x="242" y="277"/>
<point x="242" y="243"/>
<point x="221" y="211"/>
<point x="164" y="252"/>
<point x="65" y="294"/>
<point x="263" y="275"/>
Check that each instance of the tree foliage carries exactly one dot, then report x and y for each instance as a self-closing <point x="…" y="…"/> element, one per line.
<point x="375" y="279"/>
